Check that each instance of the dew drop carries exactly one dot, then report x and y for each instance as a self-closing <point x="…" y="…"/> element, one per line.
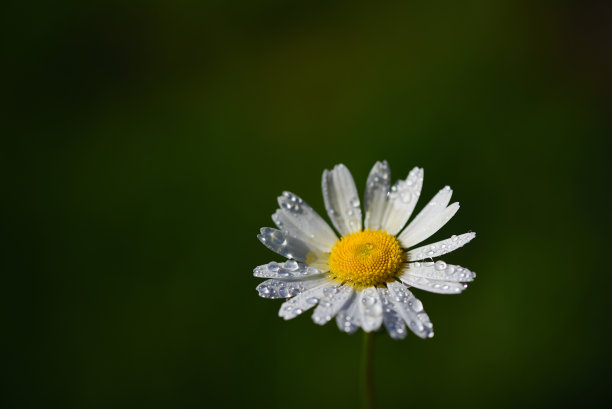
<point x="330" y="291"/>
<point x="283" y="273"/>
<point x="367" y="300"/>
<point x="440" y="265"/>
<point x="291" y="265"/>
<point x="417" y="305"/>
<point x="311" y="270"/>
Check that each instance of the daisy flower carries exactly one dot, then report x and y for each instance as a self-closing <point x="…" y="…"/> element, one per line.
<point x="363" y="276"/>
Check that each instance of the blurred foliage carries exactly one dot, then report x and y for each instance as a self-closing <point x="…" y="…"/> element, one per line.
<point x="146" y="143"/>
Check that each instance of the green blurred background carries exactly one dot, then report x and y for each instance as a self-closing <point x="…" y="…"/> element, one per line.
<point x="145" y="145"/>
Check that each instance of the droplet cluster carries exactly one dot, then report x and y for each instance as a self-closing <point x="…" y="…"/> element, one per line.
<point x="283" y="244"/>
<point x="348" y="319"/>
<point x="410" y="309"/>
<point x="274" y="288"/>
<point x="440" y="278"/>
<point x="288" y="269"/>
<point x="371" y="309"/>
<point x="341" y="199"/>
<point x="440" y="271"/>
<point x="303" y="302"/>
<point x="334" y="298"/>
<point x="394" y="323"/>
<point x="441" y="247"/>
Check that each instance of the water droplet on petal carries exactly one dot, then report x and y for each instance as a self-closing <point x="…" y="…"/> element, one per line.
<point x="440" y="265"/>
<point x="330" y="291"/>
<point x="311" y="270"/>
<point x="283" y="273"/>
<point x="367" y="300"/>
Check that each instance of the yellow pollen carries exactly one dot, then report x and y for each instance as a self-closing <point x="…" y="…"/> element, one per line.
<point x="366" y="258"/>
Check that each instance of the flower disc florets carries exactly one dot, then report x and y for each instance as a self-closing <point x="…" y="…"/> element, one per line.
<point x="366" y="258"/>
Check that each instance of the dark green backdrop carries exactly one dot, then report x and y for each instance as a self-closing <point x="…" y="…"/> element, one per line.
<point x="145" y="146"/>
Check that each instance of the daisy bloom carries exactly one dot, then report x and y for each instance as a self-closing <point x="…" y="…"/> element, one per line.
<point x="362" y="276"/>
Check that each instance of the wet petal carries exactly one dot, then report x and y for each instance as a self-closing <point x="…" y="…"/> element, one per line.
<point x="297" y="219"/>
<point x="303" y="301"/>
<point x="341" y="200"/>
<point x="441" y="247"/>
<point x="411" y="310"/>
<point x="287" y="288"/>
<point x="375" y="198"/>
<point x="334" y="298"/>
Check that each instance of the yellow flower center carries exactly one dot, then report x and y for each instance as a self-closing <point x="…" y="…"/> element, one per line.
<point x="366" y="258"/>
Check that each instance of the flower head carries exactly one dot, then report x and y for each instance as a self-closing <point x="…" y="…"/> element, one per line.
<point x="363" y="277"/>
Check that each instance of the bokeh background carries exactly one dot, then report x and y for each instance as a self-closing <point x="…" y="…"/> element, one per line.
<point x="145" y="145"/>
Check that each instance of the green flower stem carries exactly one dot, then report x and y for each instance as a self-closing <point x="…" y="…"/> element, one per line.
<point x="367" y="371"/>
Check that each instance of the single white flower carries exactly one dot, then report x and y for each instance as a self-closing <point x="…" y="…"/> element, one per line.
<point x="363" y="278"/>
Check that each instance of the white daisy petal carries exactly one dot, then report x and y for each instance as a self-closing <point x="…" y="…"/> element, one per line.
<point x="348" y="318"/>
<point x="287" y="288"/>
<point x="288" y="270"/>
<point x="375" y="198"/>
<point x="303" y="301"/>
<point x="439" y="271"/>
<point x="395" y="325"/>
<point x="430" y="219"/>
<point x="436" y="204"/>
<point x="411" y="310"/>
<point x="441" y="247"/>
<point x="334" y="298"/>
<point x="296" y="218"/>
<point x="284" y="244"/>
<point x="433" y="286"/>
<point x="370" y="309"/>
<point x="402" y="199"/>
<point x="341" y="199"/>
